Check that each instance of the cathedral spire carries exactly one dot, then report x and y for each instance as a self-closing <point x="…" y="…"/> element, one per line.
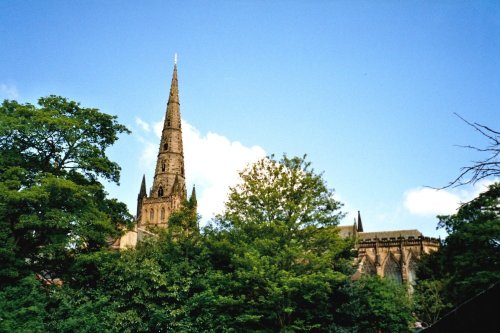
<point x="170" y="163"/>
<point x="168" y="192"/>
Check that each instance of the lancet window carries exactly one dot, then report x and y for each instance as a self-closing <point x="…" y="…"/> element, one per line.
<point x="392" y="270"/>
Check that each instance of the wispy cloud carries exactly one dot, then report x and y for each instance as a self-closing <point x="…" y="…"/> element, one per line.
<point x="431" y="202"/>
<point x="8" y="91"/>
<point x="212" y="163"/>
<point x="142" y="124"/>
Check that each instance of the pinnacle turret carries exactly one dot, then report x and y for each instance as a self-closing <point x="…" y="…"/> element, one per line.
<point x="140" y="197"/>
<point x="193" y="202"/>
<point x="142" y="191"/>
<point x="360" y="224"/>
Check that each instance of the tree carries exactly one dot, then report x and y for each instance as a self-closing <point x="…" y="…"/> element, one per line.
<point x="278" y="248"/>
<point x="374" y="305"/>
<point x="489" y="166"/>
<point x="159" y="286"/>
<point x="22" y="307"/>
<point x="429" y="301"/>
<point x="468" y="262"/>
<point x="471" y="252"/>
<point x="52" y="205"/>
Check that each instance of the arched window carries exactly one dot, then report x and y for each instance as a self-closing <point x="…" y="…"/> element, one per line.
<point x="392" y="270"/>
<point x="160" y="191"/>
<point x="162" y="215"/>
<point x="151" y="214"/>
<point x="368" y="267"/>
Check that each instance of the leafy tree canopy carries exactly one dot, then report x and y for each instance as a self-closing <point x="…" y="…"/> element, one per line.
<point x="52" y="205"/>
<point x="468" y="262"/>
<point x="277" y="243"/>
<point x="374" y="305"/>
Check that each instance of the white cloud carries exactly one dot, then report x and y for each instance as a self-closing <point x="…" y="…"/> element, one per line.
<point x="427" y="201"/>
<point x="431" y="202"/>
<point x="142" y="124"/>
<point x="212" y="163"/>
<point x="8" y="91"/>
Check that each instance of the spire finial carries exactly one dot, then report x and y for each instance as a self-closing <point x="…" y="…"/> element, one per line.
<point x="175" y="58"/>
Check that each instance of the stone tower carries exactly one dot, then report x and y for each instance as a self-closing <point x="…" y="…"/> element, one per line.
<point x="169" y="185"/>
<point x="168" y="191"/>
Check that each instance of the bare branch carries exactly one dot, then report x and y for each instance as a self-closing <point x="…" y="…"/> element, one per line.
<point x="485" y="168"/>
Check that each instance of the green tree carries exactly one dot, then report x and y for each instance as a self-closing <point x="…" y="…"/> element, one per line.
<point x="52" y="205"/>
<point x="468" y="262"/>
<point x="23" y="307"/>
<point x="278" y="250"/>
<point x="374" y="305"/>
<point x="159" y="286"/>
<point x="429" y="302"/>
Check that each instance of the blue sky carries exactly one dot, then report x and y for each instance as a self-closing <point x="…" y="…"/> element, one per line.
<point x="366" y="89"/>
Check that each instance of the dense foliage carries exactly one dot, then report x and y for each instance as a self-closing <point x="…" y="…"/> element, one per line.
<point x="374" y="304"/>
<point x="52" y="206"/>
<point x="278" y="245"/>
<point x="272" y="261"/>
<point x="468" y="262"/>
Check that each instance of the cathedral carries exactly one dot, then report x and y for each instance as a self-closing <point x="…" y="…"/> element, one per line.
<point x="390" y="254"/>
<point x="168" y="191"/>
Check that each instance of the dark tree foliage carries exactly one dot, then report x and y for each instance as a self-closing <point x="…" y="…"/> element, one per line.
<point x="374" y="305"/>
<point x="52" y="205"/>
<point x="468" y="262"/>
<point x="161" y="286"/>
<point x="23" y="306"/>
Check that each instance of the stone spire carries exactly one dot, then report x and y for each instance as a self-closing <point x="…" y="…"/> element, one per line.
<point x="142" y="194"/>
<point x="169" y="173"/>
<point x="360" y="225"/>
